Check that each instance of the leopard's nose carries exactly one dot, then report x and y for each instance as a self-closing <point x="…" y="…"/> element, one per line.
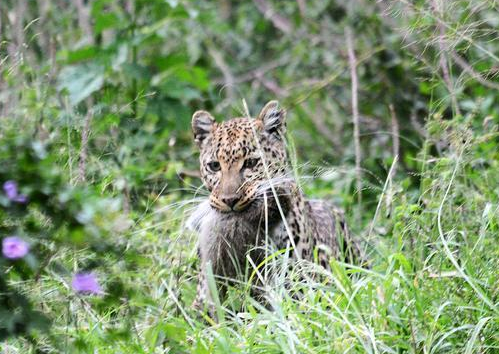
<point x="231" y="201"/>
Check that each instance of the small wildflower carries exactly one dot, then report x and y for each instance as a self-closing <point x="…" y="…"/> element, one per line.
<point x="86" y="283"/>
<point x="10" y="189"/>
<point x="14" y="247"/>
<point x="21" y="198"/>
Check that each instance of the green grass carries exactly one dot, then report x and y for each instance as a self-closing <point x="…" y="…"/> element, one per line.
<point x="432" y="287"/>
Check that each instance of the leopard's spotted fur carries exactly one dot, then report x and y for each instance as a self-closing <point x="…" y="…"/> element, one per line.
<point x="244" y="165"/>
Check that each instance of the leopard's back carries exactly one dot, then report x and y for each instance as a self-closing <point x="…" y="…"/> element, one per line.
<point x="317" y="227"/>
<point x="331" y="230"/>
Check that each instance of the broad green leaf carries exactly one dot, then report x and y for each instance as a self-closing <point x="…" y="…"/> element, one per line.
<point x="80" y="81"/>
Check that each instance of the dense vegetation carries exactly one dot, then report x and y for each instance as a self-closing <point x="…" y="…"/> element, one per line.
<point x="393" y="113"/>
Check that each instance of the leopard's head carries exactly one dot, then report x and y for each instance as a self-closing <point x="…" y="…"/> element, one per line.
<point x="240" y="155"/>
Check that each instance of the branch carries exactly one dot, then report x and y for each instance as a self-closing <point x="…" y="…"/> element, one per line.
<point x="44" y="36"/>
<point x="256" y="72"/>
<point x="352" y="61"/>
<point x="82" y="165"/>
<point x="84" y="20"/>
<point x="189" y="173"/>
<point x="469" y="69"/>
<point x="273" y="86"/>
<point x="395" y="131"/>
<point x="443" y="60"/>
<point x="277" y="20"/>
<point x="417" y="126"/>
<point x="302" y="7"/>
<point x="20" y="12"/>
<point x="225" y="69"/>
<point x="445" y="69"/>
<point x="395" y="134"/>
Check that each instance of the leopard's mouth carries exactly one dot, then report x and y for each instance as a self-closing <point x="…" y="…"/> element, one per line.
<point x="238" y="208"/>
<point x="243" y="206"/>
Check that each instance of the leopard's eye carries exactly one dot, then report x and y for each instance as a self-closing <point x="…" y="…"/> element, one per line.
<point x="250" y="163"/>
<point x="214" y="166"/>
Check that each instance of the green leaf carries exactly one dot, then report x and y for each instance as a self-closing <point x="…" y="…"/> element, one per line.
<point x="73" y="56"/>
<point x="105" y="21"/>
<point x="80" y="81"/>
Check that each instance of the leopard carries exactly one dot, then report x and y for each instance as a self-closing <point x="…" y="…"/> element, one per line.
<point x="254" y="199"/>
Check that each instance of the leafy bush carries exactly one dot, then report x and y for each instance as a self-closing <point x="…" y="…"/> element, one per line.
<point x="41" y="214"/>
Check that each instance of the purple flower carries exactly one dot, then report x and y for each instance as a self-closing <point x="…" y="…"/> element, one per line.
<point x="21" y="198"/>
<point x="10" y="189"/>
<point x="86" y="283"/>
<point x="14" y="247"/>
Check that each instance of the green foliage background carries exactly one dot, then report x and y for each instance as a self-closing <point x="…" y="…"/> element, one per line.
<point x="96" y="98"/>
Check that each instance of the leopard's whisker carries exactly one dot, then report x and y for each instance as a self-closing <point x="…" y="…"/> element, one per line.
<point x="267" y="184"/>
<point x="178" y="205"/>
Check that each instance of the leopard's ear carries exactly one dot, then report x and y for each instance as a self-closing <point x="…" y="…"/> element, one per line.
<point x="202" y="123"/>
<point x="273" y="118"/>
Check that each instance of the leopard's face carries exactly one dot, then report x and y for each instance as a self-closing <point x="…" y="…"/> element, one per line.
<point x="239" y="156"/>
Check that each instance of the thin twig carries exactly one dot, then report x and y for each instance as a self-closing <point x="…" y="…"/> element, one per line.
<point x="395" y="132"/>
<point x="44" y="38"/>
<point x="225" y="69"/>
<point x="84" y="142"/>
<point x="352" y="61"/>
<point x="84" y="20"/>
<point x="443" y="58"/>
<point x="15" y="50"/>
<point x="256" y="72"/>
<point x="189" y="173"/>
<point x="302" y="7"/>
<point x="469" y="69"/>
<point x="273" y="86"/>
<point x="418" y="127"/>
<point x="279" y="22"/>
<point x="20" y="12"/>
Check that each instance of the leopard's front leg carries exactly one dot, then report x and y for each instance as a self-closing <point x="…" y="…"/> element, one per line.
<point x="202" y="291"/>
<point x="203" y="298"/>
